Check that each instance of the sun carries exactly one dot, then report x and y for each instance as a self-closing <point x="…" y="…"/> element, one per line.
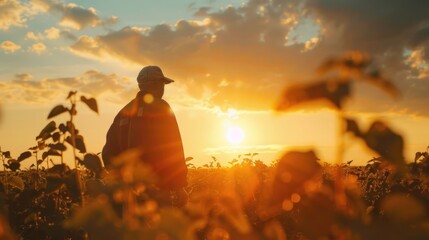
<point x="234" y="135"/>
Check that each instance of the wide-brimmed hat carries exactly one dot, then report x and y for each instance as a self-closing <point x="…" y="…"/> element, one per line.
<point x="151" y="74"/>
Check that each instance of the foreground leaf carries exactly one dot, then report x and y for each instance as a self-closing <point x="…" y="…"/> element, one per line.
<point x="387" y="143"/>
<point x="335" y="92"/>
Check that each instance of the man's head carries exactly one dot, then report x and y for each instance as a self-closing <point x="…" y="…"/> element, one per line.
<point x="152" y="80"/>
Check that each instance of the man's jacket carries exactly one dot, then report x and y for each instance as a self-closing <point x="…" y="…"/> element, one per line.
<point x="152" y="128"/>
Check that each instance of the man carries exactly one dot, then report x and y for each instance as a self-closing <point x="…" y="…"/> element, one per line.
<point x="147" y="123"/>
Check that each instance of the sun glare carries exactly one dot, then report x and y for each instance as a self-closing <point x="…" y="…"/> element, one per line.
<point x="234" y="135"/>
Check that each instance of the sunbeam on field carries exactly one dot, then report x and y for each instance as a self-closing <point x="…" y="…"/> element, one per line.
<point x="234" y="135"/>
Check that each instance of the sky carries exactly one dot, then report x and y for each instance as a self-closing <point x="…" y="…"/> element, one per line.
<point x="231" y="61"/>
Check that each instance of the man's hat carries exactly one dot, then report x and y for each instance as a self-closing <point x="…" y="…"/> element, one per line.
<point x="152" y="74"/>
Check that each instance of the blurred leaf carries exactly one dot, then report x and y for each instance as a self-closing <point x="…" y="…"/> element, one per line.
<point x="403" y="208"/>
<point x="17" y="183"/>
<point x="58" y="146"/>
<point x="24" y="156"/>
<point x="189" y="159"/>
<point x="80" y="144"/>
<point x="90" y="102"/>
<point x="418" y="155"/>
<point x="57" y="110"/>
<point x="6" y="154"/>
<point x="387" y="143"/>
<point x="233" y="161"/>
<point x="352" y="126"/>
<point x="349" y="62"/>
<point x="334" y="91"/>
<point x="71" y="93"/>
<point x="375" y="78"/>
<point x="39" y="162"/>
<point x="293" y="171"/>
<point x="274" y="230"/>
<point x="46" y="131"/>
<point x="92" y="162"/>
<point x="13" y="165"/>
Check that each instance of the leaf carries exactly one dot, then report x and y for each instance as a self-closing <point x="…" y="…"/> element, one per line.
<point x="58" y="146"/>
<point x="56" y="136"/>
<point x="374" y="77"/>
<point x="24" y="156"/>
<point x="71" y="93"/>
<point x="233" y="161"/>
<point x="189" y="159"/>
<point x="80" y="144"/>
<point x="63" y="128"/>
<point x="352" y="126"/>
<point x="333" y="91"/>
<point x="41" y="145"/>
<point x="6" y="154"/>
<point x="46" y="131"/>
<point x="57" y="110"/>
<point x="50" y="152"/>
<point x="349" y="63"/>
<point x="385" y="142"/>
<point x="13" y="165"/>
<point x="418" y="155"/>
<point x="90" y="102"/>
<point x="92" y="162"/>
<point x="17" y="183"/>
<point x="39" y="162"/>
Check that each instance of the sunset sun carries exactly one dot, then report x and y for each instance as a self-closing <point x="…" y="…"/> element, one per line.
<point x="234" y="135"/>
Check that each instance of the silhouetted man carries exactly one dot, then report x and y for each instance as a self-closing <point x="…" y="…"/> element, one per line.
<point x="148" y="124"/>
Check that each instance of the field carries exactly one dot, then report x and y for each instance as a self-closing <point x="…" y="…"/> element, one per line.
<point x="246" y="201"/>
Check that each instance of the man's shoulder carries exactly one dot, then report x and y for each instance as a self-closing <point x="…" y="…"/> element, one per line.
<point x="130" y="109"/>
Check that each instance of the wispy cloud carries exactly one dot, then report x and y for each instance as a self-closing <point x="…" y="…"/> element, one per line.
<point x="38" y="48"/>
<point x="9" y="46"/>
<point x="23" y="89"/>
<point x="75" y="16"/>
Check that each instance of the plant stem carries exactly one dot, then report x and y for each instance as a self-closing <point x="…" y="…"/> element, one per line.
<point x="5" y="173"/>
<point x="72" y="130"/>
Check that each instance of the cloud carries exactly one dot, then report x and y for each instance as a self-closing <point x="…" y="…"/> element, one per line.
<point x="110" y="87"/>
<point x="33" y="36"/>
<point x="38" y="48"/>
<point x="52" y="33"/>
<point x="75" y="16"/>
<point x="220" y="55"/>
<point x="13" y="14"/>
<point x="23" y="77"/>
<point x="241" y="56"/>
<point x="9" y="46"/>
